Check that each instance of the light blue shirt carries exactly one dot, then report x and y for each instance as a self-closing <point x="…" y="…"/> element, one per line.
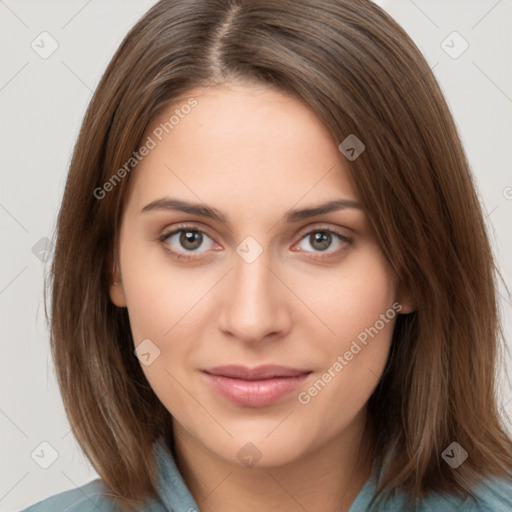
<point x="174" y="496"/>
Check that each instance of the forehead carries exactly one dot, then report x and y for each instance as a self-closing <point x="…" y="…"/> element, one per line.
<point x="238" y="145"/>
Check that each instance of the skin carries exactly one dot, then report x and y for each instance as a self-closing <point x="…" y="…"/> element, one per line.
<point x="244" y="146"/>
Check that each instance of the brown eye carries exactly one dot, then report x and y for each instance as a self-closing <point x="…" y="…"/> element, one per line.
<point x="184" y="242"/>
<point x="190" y="240"/>
<point x="321" y="240"/>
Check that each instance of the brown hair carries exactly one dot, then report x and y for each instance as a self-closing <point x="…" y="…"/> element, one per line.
<point x="362" y="74"/>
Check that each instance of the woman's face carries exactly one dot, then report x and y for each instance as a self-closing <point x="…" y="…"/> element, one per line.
<point x="261" y="282"/>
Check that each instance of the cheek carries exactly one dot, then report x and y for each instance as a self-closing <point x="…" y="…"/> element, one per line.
<point x="160" y="297"/>
<point x="350" y="297"/>
<point x="170" y="307"/>
<point x="163" y="306"/>
<point x="362" y="315"/>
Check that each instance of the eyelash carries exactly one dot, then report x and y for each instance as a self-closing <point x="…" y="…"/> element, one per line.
<point x="347" y="241"/>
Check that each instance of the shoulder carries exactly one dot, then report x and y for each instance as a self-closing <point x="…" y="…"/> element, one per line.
<point x="491" y="495"/>
<point x="88" y="497"/>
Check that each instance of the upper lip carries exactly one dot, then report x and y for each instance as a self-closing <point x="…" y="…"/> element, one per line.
<point x="257" y="373"/>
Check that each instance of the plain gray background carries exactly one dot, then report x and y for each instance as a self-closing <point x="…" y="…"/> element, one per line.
<point x="42" y="103"/>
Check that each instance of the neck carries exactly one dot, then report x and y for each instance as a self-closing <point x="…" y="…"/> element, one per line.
<point x="327" y="478"/>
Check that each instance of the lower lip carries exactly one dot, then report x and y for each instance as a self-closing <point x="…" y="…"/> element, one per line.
<point x="254" y="393"/>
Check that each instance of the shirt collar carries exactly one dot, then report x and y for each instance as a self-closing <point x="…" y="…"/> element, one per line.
<point x="172" y="489"/>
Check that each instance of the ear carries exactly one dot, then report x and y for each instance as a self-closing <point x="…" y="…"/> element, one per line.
<point x="116" y="290"/>
<point x="405" y="298"/>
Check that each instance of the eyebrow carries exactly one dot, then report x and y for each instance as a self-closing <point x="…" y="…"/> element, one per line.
<point x="203" y="210"/>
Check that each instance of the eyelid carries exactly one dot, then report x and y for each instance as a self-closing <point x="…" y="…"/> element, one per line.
<point x="204" y="229"/>
<point x="324" y="227"/>
<point x="167" y="233"/>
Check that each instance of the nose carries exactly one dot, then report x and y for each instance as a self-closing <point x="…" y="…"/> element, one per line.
<point x="256" y="303"/>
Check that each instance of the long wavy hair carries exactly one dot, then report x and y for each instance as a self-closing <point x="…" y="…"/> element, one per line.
<point x="361" y="74"/>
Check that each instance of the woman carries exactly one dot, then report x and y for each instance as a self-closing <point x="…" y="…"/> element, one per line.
<point x="272" y="286"/>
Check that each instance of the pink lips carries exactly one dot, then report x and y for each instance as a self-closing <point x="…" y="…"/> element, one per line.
<point x="255" y="387"/>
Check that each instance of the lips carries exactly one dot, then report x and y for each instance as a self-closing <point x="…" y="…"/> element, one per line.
<point x="258" y="373"/>
<point x="254" y="387"/>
